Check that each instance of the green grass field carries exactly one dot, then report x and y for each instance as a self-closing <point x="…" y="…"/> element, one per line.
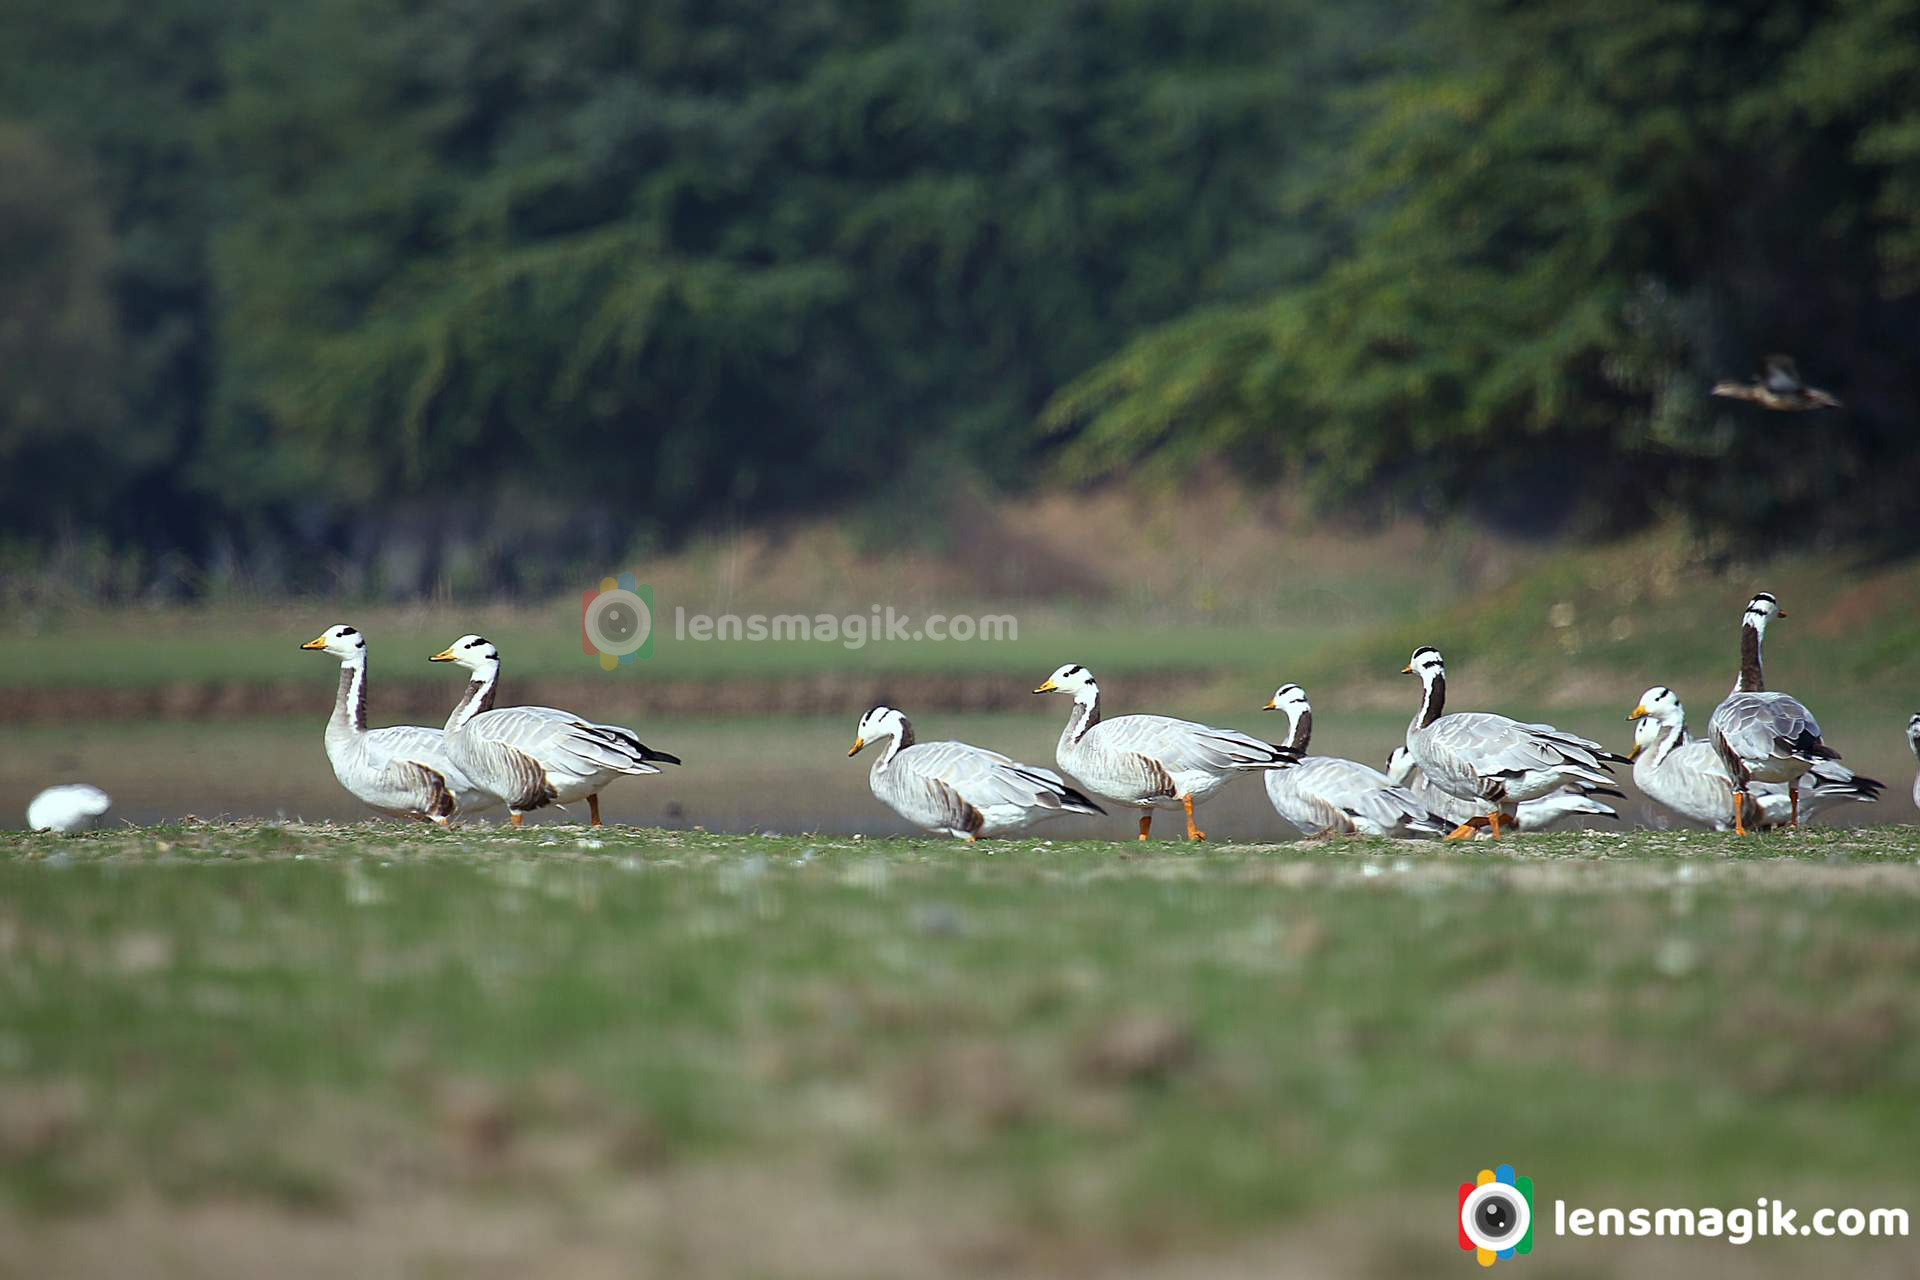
<point x="374" y="1049"/>
<point x="231" y="1050"/>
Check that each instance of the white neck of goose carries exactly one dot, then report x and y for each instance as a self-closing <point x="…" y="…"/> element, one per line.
<point x="1085" y="713"/>
<point x="478" y="696"/>
<point x="1667" y="736"/>
<point x="1433" y="697"/>
<point x="1913" y="734"/>
<point x="900" y="731"/>
<point x="350" y="703"/>
<point x="1753" y="632"/>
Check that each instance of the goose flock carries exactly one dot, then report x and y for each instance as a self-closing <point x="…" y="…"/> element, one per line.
<point x="1458" y="774"/>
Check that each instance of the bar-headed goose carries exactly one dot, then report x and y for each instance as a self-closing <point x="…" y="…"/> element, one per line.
<point x="1151" y="762"/>
<point x="1762" y="736"/>
<point x="1779" y="388"/>
<point x="1913" y="740"/>
<point x="1547" y="813"/>
<point x="402" y="771"/>
<point x="1326" y="795"/>
<point x="531" y="757"/>
<point x="1476" y="755"/>
<point x="959" y="789"/>
<point x="1684" y="774"/>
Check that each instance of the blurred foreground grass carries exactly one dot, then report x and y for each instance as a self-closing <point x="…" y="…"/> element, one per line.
<point x="1029" y="1054"/>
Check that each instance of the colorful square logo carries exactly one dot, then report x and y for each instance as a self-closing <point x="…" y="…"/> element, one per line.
<point x="1496" y="1215"/>
<point x="616" y="621"/>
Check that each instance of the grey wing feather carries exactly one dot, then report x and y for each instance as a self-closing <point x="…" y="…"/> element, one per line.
<point x="1182" y="745"/>
<point x="1475" y="750"/>
<point x="1361" y="792"/>
<point x="427" y="747"/>
<point x="559" y="740"/>
<point x="1751" y="728"/>
<point x="987" y="778"/>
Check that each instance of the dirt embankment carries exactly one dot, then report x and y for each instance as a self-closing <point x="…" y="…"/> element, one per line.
<point x="427" y="702"/>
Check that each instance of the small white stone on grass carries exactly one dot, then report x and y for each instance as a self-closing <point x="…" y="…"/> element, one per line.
<point x="68" y="808"/>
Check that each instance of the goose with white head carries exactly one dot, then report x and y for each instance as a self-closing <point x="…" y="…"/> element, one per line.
<point x="1151" y="762"/>
<point x="531" y="757"/>
<point x="1548" y="813"/>
<point x="1326" y="795"/>
<point x="1492" y="759"/>
<point x="1913" y="740"/>
<point x="958" y="789"/>
<point x="1685" y="774"/>
<point x="1763" y="736"/>
<point x="402" y="771"/>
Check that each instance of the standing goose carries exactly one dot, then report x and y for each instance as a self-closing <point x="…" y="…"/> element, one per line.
<point x="402" y="771"/>
<point x="531" y="757"/>
<point x="1779" y="388"/>
<point x="1151" y="762"/>
<point x="959" y="789"/>
<point x="1761" y="736"/>
<point x="1476" y="755"/>
<point x="1326" y="795"/>
<point x="1913" y="740"/>
<point x="1685" y="774"/>
<point x="1544" y="814"/>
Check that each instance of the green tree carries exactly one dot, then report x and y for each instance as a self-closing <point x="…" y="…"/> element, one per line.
<point x="1573" y="216"/>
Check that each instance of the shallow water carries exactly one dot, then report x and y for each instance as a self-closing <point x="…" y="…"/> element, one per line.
<point x="784" y="774"/>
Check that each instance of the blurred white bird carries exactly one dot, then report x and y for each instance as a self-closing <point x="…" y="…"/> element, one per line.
<point x="67" y="808"/>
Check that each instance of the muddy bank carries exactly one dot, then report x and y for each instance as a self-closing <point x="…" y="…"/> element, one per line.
<point x="428" y="701"/>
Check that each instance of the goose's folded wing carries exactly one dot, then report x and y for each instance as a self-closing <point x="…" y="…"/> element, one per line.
<point x="561" y="741"/>
<point x="1184" y="746"/>
<point x="1305" y="801"/>
<point x="1757" y="725"/>
<point x="923" y="797"/>
<point x="1494" y="746"/>
<point x="987" y="779"/>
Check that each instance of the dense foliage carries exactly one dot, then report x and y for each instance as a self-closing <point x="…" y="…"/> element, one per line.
<point x="1572" y="219"/>
<point x="453" y="288"/>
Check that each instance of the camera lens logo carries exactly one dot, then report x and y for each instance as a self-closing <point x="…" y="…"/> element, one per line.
<point x="616" y="621"/>
<point x="1496" y="1215"/>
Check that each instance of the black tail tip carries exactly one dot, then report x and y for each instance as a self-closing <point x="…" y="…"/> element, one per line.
<point x="1077" y="797"/>
<point x="657" y="757"/>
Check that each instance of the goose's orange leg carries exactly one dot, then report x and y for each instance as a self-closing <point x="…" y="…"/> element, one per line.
<point x="1739" y="813"/>
<point x="1466" y="829"/>
<point x="1493" y="823"/>
<point x="593" y="807"/>
<point x="1146" y="820"/>
<point x="516" y="819"/>
<point x="1793" y="798"/>
<point x="1193" y="832"/>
